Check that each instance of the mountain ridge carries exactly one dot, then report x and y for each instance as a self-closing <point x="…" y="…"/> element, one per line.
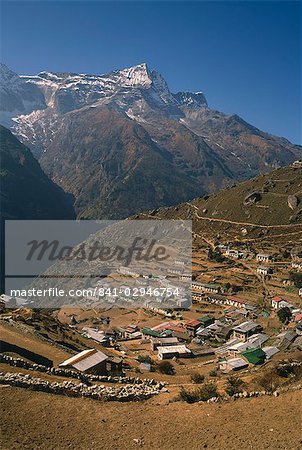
<point x="206" y="149"/>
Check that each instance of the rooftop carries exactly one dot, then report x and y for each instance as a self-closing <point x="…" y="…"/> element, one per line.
<point x="254" y="356"/>
<point x="85" y="359"/>
<point x="165" y="340"/>
<point x="174" y="349"/>
<point x="193" y="323"/>
<point x="246" y="326"/>
<point x="235" y="362"/>
<point x="235" y="299"/>
<point x="277" y="299"/>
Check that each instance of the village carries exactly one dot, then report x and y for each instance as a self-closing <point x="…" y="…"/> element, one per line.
<point x="226" y="333"/>
<point x="192" y="365"/>
<point x="225" y="329"/>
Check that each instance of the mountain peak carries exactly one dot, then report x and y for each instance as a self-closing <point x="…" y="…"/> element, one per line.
<point x="191" y="99"/>
<point x="138" y="75"/>
<point x="4" y="68"/>
<point x="7" y="75"/>
<point x="142" y="76"/>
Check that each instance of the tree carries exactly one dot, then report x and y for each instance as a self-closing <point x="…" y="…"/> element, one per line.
<point x="227" y="286"/>
<point x="286" y="254"/>
<point x="296" y="278"/>
<point x="210" y="253"/>
<point x="234" y="385"/>
<point x="284" y="315"/>
<point x="197" y="378"/>
<point x="166" y="368"/>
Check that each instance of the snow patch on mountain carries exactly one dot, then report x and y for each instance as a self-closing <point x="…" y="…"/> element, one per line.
<point x="193" y="100"/>
<point x="16" y="96"/>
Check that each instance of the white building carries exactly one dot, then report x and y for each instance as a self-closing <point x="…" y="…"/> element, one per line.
<point x="232" y="364"/>
<point x="127" y="271"/>
<point x="263" y="257"/>
<point x="264" y="270"/>
<point x="169" y="352"/>
<point x="278" y="303"/>
<point x="255" y="341"/>
<point x="183" y="303"/>
<point x="297" y="265"/>
<point x="245" y="330"/>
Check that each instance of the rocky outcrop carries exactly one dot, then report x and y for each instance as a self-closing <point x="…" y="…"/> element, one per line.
<point x="292" y="201"/>
<point x="254" y="197"/>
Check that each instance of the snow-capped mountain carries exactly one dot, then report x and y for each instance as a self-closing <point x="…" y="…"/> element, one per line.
<point x="136" y="91"/>
<point x="68" y="91"/>
<point x="17" y="96"/>
<point x="141" y="145"/>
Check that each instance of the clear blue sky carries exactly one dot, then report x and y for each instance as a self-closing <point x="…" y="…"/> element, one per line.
<point x="245" y="56"/>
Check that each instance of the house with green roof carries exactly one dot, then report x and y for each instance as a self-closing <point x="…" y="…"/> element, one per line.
<point x="206" y="321"/>
<point x="148" y="333"/>
<point x="254" y="356"/>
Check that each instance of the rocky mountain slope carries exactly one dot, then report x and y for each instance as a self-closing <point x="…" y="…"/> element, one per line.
<point x="26" y="192"/>
<point x="114" y="168"/>
<point x="123" y="143"/>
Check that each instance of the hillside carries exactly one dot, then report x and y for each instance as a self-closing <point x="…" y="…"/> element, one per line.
<point x="134" y="425"/>
<point x="26" y="192"/>
<point x="273" y="199"/>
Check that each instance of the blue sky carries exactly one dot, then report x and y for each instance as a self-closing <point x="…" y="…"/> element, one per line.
<point x="245" y="56"/>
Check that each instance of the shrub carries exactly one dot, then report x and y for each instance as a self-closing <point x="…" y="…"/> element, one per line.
<point x="144" y="359"/>
<point x="215" y="256"/>
<point x="188" y="396"/>
<point x="288" y="370"/>
<point x="234" y="385"/>
<point x="204" y="393"/>
<point x="284" y="315"/>
<point x="268" y="381"/>
<point x="296" y="278"/>
<point x="207" y="391"/>
<point x="282" y="372"/>
<point x="213" y="373"/>
<point x="166" y="368"/>
<point x="197" y="378"/>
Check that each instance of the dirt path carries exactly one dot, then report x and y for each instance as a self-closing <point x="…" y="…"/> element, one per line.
<point x="232" y="222"/>
<point x="211" y="219"/>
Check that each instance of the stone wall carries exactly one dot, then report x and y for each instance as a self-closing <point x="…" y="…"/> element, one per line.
<point x="126" y="393"/>
<point x="84" y="377"/>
